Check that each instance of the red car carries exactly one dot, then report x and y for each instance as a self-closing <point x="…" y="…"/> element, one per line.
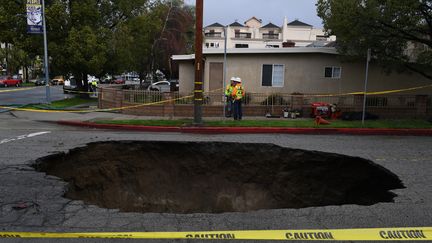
<point x="118" y="81"/>
<point x="6" y="81"/>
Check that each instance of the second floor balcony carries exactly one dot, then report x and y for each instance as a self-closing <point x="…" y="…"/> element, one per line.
<point x="271" y="36"/>
<point x="243" y="35"/>
<point x="213" y="34"/>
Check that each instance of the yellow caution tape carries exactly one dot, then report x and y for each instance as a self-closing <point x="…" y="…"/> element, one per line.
<point x="212" y="91"/>
<point x="80" y="92"/>
<point x="366" y="234"/>
<point x="16" y="90"/>
<point x="99" y="110"/>
<point x="368" y="93"/>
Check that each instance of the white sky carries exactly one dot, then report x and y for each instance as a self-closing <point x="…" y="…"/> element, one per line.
<point x="227" y="11"/>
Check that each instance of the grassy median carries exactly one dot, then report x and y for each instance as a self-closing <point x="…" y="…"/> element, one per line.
<point x="279" y="123"/>
<point x="63" y="104"/>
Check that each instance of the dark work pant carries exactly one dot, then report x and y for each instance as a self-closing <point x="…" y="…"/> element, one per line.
<point x="229" y="107"/>
<point x="238" y="114"/>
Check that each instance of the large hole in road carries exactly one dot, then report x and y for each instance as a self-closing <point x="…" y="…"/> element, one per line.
<point x="214" y="177"/>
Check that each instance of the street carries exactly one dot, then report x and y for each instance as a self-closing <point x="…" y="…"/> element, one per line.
<point x="34" y="95"/>
<point x="23" y="140"/>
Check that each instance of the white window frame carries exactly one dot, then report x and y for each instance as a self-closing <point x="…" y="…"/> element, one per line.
<point x="333" y="71"/>
<point x="272" y="84"/>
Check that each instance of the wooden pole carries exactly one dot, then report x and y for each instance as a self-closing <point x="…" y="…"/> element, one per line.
<point x="198" y="91"/>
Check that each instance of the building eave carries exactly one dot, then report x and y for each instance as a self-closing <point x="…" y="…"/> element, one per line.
<point x="291" y="50"/>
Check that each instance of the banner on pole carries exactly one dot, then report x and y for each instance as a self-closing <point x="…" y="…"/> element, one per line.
<point x="34" y="17"/>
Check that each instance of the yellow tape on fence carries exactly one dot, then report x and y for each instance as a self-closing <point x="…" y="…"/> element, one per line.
<point x="369" y="93"/>
<point x="100" y="110"/>
<point x="16" y="90"/>
<point x="367" y="234"/>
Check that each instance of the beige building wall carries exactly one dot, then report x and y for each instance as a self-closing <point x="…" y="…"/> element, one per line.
<point x="253" y="23"/>
<point x="304" y="73"/>
<point x="186" y="76"/>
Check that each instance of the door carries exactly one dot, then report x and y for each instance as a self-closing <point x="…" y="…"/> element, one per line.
<point x="216" y="76"/>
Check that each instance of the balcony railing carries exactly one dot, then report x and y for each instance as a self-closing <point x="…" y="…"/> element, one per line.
<point x="271" y="36"/>
<point x="213" y="34"/>
<point x="243" y="35"/>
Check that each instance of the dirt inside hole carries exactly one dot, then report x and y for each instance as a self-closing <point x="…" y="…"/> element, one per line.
<point x="214" y="177"/>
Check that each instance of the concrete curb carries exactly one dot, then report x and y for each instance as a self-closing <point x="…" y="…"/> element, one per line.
<point x="256" y="130"/>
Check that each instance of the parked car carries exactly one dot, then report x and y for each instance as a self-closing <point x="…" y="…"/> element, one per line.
<point x="161" y="86"/>
<point x="70" y="85"/>
<point x="175" y="85"/>
<point x="118" y="81"/>
<point x="6" y="81"/>
<point x="58" y="80"/>
<point x="40" y="82"/>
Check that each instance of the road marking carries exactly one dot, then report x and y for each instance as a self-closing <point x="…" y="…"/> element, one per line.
<point x="7" y="140"/>
<point x="16" y="90"/>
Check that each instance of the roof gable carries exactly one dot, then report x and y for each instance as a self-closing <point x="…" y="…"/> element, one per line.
<point x="236" y="24"/>
<point x="254" y="18"/>
<point x="270" y="26"/>
<point x="298" y="23"/>
<point x="215" y="25"/>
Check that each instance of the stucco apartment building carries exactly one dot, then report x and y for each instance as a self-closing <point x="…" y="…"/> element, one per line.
<point x="306" y="70"/>
<point x="253" y="34"/>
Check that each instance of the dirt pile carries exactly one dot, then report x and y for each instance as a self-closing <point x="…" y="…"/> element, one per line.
<point x="188" y="177"/>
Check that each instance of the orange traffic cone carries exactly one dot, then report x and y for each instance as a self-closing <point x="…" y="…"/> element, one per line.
<point x="320" y="121"/>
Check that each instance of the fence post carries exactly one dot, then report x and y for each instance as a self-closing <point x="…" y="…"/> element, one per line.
<point x="298" y="102"/>
<point x="421" y="105"/>
<point x="168" y="107"/>
<point x="100" y="95"/>
<point x="358" y="102"/>
<point x="118" y="99"/>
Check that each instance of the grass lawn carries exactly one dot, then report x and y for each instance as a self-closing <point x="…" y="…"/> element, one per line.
<point x="279" y="123"/>
<point x="27" y="85"/>
<point x="62" y="104"/>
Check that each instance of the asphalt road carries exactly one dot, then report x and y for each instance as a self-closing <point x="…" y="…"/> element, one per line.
<point x="32" y="96"/>
<point x="23" y="140"/>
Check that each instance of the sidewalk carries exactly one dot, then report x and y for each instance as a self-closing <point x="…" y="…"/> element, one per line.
<point x="86" y="120"/>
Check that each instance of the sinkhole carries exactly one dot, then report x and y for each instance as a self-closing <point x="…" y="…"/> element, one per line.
<point x="215" y="177"/>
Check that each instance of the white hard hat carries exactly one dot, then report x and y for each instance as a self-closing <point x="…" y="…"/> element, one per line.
<point x="238" y="79"/>
<point x="233" y="79"/>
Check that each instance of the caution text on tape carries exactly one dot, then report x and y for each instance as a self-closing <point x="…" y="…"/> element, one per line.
<point x="366" y="234"/>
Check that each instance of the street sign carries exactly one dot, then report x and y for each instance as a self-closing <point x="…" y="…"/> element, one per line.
<point x="34" y="17"/>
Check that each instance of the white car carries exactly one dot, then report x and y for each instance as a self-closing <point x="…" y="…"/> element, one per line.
<point x="161" y="86"/>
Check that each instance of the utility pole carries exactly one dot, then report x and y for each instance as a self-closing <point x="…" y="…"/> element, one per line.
<point x="365" y="85"/>
<point x="47" y="87"/>
<point x="198" y="92"/>
<point x="225" y="69"/>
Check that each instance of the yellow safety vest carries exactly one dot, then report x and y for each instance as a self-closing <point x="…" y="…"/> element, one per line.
<point x="229" y="90"/>
<point x="238" y="92"/>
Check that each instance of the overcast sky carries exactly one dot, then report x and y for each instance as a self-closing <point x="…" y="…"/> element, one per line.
<point x="227" y="11"/>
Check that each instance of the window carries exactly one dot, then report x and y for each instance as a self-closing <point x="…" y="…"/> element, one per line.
<point x="272" y="46"/>
<point x="321" y="38"/>
<point x="332" y="72"/>
<point x="212" y="44"/>
<point x="241" y="45"/>
<point x="273" y="75"/>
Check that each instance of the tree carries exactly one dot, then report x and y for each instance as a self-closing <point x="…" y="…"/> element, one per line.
<point x="82" y="39"/>
<point x="145" y="43"/>
<point x="399" y="33"/>
<point x="95" y="37"/>
<point x="19" y="46"/>
<point x="176" y="36"/>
